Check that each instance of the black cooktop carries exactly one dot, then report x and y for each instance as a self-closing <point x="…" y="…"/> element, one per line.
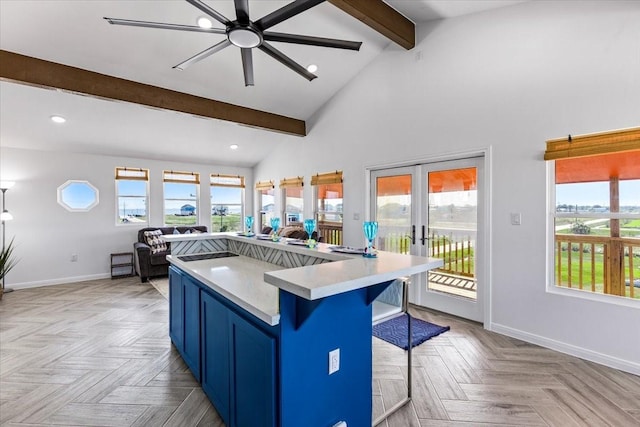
<point x="212" y="255"/>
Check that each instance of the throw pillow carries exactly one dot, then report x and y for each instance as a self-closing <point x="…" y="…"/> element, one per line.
<point x="155" y="241"/>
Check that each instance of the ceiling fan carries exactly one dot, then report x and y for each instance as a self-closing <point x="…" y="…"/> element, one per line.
<point x="247" y="34"/>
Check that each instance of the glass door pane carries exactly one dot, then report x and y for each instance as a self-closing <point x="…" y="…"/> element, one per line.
<point x="452" y="230"/>
<point x="393" y="212"/>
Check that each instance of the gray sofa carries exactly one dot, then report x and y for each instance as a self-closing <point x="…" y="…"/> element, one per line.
<point x="149" y="264"/>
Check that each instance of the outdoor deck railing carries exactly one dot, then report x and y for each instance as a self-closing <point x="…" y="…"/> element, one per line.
<point x="331" y="232"/>
<point x="457" y="254"/>
<point x="608" y="265"/>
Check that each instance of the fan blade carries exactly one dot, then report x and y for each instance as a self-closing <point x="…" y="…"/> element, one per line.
<point x="285" y="12"/>
<point x="242" y="11"/>
<point x="285" y="60"/>
<point x="310" y="40"/>
<point x="212" y="13"/>
<point x="161" y="25"/>
<point x="205" y="53"/>
<point x="247" y="66"/>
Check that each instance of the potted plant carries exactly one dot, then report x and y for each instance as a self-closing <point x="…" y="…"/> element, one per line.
<point x="7" y="262"/>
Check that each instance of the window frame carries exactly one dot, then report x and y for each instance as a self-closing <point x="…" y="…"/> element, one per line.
<point x="328" y="178"/>
<point x="181" y="178"/>
<point x="144" y="178"/>
<point x="585" y="145"/>
<point x="287" y="184"/>
<point x="229" y="184"/>
<point x="260" y="188"/>
<point x="70" y="182"/>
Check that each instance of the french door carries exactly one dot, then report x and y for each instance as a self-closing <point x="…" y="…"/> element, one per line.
<point x="435" y="210"/>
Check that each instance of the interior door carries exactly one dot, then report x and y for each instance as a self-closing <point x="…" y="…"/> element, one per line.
<point x="435" y="210"/>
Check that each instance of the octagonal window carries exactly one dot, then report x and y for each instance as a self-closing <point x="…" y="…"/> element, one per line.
<point x="77" y="196"/>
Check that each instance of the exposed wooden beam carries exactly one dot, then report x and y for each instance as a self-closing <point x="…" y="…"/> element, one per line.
<point x="381" y="17"/>
<point x="37" y="72"/>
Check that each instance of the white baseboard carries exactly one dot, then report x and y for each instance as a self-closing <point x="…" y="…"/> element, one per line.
<point x="583" y="353"/>
<point x="60" y="281"/>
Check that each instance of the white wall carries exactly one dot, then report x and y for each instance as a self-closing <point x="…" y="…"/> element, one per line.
<point x="508" y="79"/>
<point x="46" y="234"/>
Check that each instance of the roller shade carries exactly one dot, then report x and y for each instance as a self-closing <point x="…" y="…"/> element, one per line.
<point x="135" y="174"/>
<point x="181" y="177"/>
<point x="292" y="182"/>
<point x="617" y="141"/>
<point x="327" y="178"/>
<point x="264" y="185"/>
<point x="220" y="180"/>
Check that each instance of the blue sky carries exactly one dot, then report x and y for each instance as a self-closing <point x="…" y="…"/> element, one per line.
<point x="597" y="193"/>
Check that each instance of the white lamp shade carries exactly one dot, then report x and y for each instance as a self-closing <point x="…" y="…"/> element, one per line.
<point x="6" y="184"/>
<point x="6" y="216"/>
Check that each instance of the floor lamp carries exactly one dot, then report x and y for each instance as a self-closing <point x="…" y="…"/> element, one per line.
<point x="5" y="216"/>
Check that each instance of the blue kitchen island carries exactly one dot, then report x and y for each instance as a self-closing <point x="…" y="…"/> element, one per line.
<point x="256" y="328"/>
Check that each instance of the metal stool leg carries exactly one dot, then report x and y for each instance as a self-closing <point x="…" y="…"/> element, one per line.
<point x="402" y="403"/>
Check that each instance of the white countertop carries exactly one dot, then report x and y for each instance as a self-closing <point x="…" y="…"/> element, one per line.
<point x="240" y="280"/>
<point x="332" y="278"/>
<point x="247" y="281"/>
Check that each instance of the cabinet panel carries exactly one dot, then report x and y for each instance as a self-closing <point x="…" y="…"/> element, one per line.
<point x="253" y="370"/>
<point x="215" y="353"/>
<point x="191" y="353"/>
<point x="176" y="308"/>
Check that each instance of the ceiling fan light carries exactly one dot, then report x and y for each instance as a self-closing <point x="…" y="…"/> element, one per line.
<point x="204" y="22"/>
<point x="244" y="37"/>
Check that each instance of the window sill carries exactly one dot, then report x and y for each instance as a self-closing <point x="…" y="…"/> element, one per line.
<point x="608" y="299"/>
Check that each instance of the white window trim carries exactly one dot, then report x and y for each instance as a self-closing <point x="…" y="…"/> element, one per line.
<point x="551" y="287"/>
<point x="147" y="204"/>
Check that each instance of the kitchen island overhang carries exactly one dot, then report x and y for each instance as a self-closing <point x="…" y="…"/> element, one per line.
<point x="297" y="317"/>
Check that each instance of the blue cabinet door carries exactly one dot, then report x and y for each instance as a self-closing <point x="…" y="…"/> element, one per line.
<point x="191" y="352"/>
<point x="253" y="388"/>
<point x="176" y="309"/>
<point x="215" y="353"/>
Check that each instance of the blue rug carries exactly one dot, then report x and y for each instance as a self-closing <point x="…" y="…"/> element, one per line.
<point x="395" y="331"/>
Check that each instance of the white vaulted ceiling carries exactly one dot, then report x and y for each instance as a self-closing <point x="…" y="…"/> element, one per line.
<point x="74" y="33"/>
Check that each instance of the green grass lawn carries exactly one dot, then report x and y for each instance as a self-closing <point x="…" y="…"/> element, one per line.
<point x="586" y="272"/>
<point x="178" y="220"/>
<point x="231" y="222"/>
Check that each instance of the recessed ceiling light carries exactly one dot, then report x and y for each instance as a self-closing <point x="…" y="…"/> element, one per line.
<point x="234" y="146"/>
<point x="204" y="22"/>
<point x="312" y="68"/>
<point x="58" y="119"/>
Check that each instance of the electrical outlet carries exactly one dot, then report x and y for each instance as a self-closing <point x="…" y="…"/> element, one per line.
<point x="356" y="216"/>
<point x="74" y="258"/>
<point x="334" y="361"/>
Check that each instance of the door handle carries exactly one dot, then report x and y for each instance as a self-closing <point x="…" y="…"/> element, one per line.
<point x="413" y="234"/>
<point x="423" y="238"/>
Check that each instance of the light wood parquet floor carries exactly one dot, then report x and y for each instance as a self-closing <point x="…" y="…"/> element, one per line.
<point x="98" y="354"/>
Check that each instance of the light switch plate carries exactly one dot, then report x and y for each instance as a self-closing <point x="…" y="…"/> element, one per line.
<point x="516" y="218"/>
